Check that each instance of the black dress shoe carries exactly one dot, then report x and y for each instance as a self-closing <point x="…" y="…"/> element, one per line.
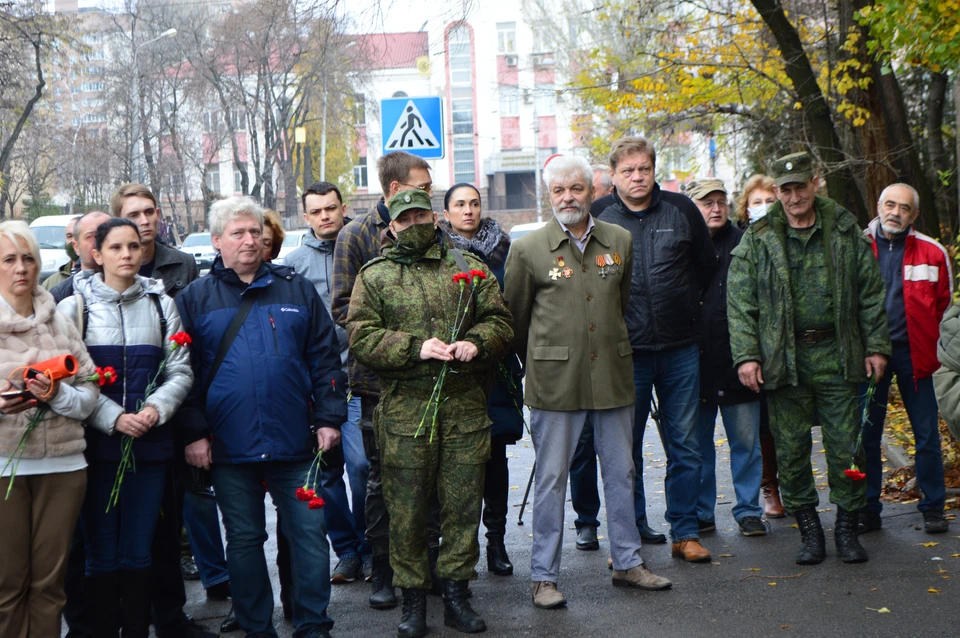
<point x="188" y="568"/>
<point x="219" y="592"/>
<point x="587" y="539"/>
<point x="229" y="623"/>
<point x="647" y="535"/>
<point x="934" y="522"/>
<point x="497" y="560"/>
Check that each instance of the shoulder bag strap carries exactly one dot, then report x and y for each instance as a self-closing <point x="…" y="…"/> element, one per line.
<point x="232" y="331"/>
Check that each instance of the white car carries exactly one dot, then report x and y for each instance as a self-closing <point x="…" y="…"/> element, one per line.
<point x="292" y="241"/>
<point x="50" y="233"/>
<point x="520" y="230"/>
<point x="201" y="247"/>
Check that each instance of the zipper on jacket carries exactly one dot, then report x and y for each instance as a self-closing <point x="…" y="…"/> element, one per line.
<point x="123" y="343"/>
<point x="276" y="340"/>
<point x="646" y="277"/>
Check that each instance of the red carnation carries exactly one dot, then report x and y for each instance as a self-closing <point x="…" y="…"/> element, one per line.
<point x="316" y="503"/>
<point x="304" y="494"/>
<point x="181" y="339"/>
<point x="109" y="375"/>
<point x="478" y="274"/>
<point x="855" y="474"/>
<point x="461" y="278"/>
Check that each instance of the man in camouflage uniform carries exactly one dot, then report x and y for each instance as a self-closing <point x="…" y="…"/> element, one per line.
<point x="807" y="322"/>
<point x="403" y="312"/>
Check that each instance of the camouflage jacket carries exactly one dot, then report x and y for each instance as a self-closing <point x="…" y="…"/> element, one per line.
<point x="395" y="307"/>
<point x="760" y="308"/>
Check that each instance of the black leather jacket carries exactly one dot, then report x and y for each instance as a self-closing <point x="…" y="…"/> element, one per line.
<point x="673" y="259"/>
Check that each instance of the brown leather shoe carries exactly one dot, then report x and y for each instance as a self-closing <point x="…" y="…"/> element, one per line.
<point x="772" y="507"/>
<point x="691" y="551"/>
<point x="546" y="595"/>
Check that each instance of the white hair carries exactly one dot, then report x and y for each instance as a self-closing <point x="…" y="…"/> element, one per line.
<point x="17" y="231"/>
<point x="916" y="195"/>
<point x="565" y="167"/>
<point x="606" y="179"/>
<point x="226" y="210"/>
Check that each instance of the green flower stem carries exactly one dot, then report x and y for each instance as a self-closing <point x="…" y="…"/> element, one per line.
<point x="14" y="459"/>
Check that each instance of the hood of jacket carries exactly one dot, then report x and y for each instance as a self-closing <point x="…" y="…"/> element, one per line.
<point x="91" y="285"/>
<point x="43" y="309"/>
<point x="323" y="245"/>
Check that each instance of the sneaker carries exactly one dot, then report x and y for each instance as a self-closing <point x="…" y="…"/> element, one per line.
<point x="868" y="521"/>
<point x="706" y="526"/>
<point x="934" y="522"/>
<point x="348" y="570"/>
<point x="752" y="526"/>
<point x="546" y="595"/>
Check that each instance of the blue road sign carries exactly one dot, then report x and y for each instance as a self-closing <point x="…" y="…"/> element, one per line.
<point x="412" y="124"/>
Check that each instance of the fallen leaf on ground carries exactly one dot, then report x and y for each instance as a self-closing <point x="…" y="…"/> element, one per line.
<point x="725" y="555"/>
<point x="772" y="584"/>
<point x="514" y="487"/>
<point x="930" y="544"/>
<point x="882" y="610"/>
<point x="752" y="569"/>
<point x="933" y="591"/>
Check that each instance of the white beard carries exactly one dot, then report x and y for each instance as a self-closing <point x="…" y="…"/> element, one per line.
<point x="571" y="217"/>
<point x="890" y="230"/>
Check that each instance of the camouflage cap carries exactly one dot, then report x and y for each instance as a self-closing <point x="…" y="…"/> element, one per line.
<point x="407" y="200"/>
<point x="796" y="167"/>
<point x="700" y="188"/>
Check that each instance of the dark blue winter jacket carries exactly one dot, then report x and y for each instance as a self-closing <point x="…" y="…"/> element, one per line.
<point x="281" y="378"/>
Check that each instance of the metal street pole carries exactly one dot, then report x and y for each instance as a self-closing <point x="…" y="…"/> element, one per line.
<point x="135" y="134"/>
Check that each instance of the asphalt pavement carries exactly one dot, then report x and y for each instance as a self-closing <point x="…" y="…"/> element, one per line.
<point x="751" y="588"/>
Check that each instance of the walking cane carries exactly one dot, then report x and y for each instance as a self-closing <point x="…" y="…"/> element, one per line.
<point x="526" y="494"/>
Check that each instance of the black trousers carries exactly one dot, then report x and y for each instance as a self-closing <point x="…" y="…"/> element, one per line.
<point x="495" y="489"/>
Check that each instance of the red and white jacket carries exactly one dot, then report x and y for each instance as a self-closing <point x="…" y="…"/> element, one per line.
<point x="927" y="293"/>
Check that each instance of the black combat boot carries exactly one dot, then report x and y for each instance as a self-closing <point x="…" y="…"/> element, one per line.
<point x="849" y="548"/>
<point x="811" y="533"/>
<point x="102" y="595"/>
<point x="497" y="560"/>
<point x="382" y="595"/>
<point x="457" y="612"/>
<point x="135" y="603"/>
<point x="413" y="617"/>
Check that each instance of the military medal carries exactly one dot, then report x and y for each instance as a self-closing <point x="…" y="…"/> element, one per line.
<point x="616" y="259"/>
<point x="602" y="263"/>
<point x="554" y="273"/>
<point x="568" y="272"/>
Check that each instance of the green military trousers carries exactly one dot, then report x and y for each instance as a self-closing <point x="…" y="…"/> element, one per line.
<point x="413" y="466"/>
<point x="822" y="397"/>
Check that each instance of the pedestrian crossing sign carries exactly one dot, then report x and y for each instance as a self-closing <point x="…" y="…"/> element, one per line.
<point x="414" y="125"/>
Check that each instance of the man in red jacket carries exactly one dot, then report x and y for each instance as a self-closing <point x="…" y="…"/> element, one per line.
<point x="919" y="281"/>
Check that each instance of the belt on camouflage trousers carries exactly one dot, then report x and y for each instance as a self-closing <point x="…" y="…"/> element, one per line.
<point x="816" y="336"/>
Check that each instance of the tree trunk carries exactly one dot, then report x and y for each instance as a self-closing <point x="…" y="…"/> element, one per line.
<point x="939" y="159"/>
<point x="826" y="142"/>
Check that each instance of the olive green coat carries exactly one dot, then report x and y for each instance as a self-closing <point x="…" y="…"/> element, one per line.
<point x="760" y="309"/>
<point x="570" y="331"/>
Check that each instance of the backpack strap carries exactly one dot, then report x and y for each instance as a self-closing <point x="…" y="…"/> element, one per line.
<point x="229" y="336"/>
<point x="82" y="314"/>
<point x="163" y="320"/>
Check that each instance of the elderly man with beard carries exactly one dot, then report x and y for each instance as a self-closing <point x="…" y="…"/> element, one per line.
<point x="568" y="285"/>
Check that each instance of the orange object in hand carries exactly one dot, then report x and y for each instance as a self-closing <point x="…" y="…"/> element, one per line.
<point x="61" y="367"/>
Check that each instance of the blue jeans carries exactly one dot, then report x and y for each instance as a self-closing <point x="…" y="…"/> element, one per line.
<point x="676" y="376"/>
<point x="345" y="527"/>
<point x="921" y="404"/>
<point x="240" y="496"/>
<point x="120" y="540"/>
<point x="202" y="521"/>
<point x="584" y="494"/>
<point x="742" y="424"/>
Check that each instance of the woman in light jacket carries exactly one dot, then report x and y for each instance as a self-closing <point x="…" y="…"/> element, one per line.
<point x="128" y="323"/>
<point x="39" y="513"/>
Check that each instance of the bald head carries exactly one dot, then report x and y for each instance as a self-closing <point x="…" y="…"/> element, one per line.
<point x="85" y="237"/>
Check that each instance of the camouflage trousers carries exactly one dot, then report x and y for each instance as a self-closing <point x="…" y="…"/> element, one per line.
<point x="823" y="397"/>
<point x="414" y="467"/>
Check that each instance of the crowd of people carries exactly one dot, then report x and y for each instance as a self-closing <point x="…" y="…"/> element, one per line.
<point x="398" y="350"/>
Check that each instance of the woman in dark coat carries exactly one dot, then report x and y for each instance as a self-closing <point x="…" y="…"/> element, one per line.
<point x="483" y="237"/>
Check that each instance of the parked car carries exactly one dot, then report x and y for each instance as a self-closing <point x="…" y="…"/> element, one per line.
<point x="201" y="247"/>
<point x="50" y="232"/>
<point x="520" y="230"/>
<point x="291" y="242"/>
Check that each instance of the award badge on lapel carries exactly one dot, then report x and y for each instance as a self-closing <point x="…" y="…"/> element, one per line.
<point x="560" y="269"/>
<point x="606" y="262"/>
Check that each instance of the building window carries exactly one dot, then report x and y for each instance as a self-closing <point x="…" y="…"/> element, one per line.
<point x="459" y="55"/>
<point x="509" y="100"/>
<point x="506" y="37"/>
<point x="359" y="110"/>
<point x="213" y="178"/>
<point x="360" y="173"/>
<point x="546" y="99"/>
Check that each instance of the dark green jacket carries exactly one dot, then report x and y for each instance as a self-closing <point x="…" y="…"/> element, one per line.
<point x="395" y="307"/>
<point x="760" y="308"/>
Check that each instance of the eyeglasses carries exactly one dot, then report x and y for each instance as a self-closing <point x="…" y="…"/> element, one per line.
<point x="710" y="203"/>
<point x="428" y="189"/>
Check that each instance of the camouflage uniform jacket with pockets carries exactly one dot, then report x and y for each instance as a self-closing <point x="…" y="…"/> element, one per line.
<point x="760" y="308"/>
<point x="395" y="307"/>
